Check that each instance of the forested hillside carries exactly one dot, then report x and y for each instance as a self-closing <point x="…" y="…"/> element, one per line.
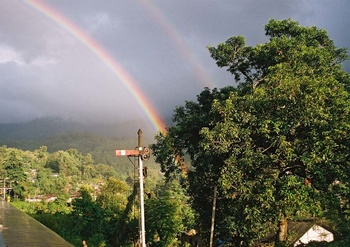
<point x="100" y="141"/>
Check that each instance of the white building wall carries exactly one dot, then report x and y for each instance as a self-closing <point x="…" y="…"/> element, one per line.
<point x="316" y="233"/>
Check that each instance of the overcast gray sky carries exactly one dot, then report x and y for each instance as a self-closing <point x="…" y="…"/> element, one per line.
<point x="161" y="44"/>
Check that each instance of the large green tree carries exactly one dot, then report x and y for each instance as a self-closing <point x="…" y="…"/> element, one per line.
<point x="182" y="140"/>
<point x="168" y="215"/>
<point x="278" y="145"/>
<point x="113" y="196"/>
<point x="288" y="134"/>
<point x="88" y="217"/>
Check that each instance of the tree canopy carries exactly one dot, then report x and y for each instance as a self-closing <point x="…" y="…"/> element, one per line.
<point x="277" y="146"/>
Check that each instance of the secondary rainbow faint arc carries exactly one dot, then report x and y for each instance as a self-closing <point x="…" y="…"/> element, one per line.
<point x="178" y="39"/>
<point x="107" y="59"/>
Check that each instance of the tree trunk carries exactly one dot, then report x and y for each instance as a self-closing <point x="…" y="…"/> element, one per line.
<point x="282" y="232"/>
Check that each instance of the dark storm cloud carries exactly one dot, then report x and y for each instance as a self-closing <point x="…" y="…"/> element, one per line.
<point x="45" y="71"/>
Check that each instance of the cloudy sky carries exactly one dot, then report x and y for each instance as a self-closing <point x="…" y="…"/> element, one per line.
<point x="158" y="47"/>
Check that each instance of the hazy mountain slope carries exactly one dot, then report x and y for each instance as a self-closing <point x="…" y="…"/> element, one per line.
<point x="48" y="127"/>
<point x="100" y="141"/>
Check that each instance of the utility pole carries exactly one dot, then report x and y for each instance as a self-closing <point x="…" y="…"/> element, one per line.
<point x="142" y="208"/>
<point x="213" y="217"/>
<point x="143" y="155"/>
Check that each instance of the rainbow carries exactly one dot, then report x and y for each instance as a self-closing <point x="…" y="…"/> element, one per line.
<point x="178" y="39"/>
<point x="102" y="55"/>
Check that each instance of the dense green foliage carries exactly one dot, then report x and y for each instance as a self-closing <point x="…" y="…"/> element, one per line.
<point x="41" y="173"/>
<point x="101" y="148"/>
<point x="167" y="215"/>
<point x="104" y="209"/>
<point x="277" y="146"/>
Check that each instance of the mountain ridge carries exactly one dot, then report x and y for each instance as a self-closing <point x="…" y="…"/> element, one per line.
<point x="42" y="128"/>
<point x="100" y="141"/>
